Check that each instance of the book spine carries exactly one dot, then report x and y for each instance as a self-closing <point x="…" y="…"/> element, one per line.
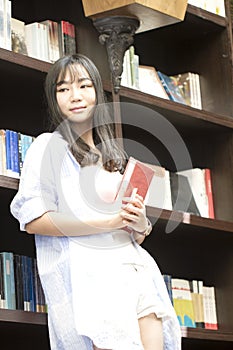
<point x="2" y="292"/>
<point x="8" y="153"/>
<point x="2" y="152"/>
<point x="9" y="280"/>
<point x="18" y="282"/>
<point x="14" y="143"/>
<point x="209" y="192"/>
<point x="168" y="283"/>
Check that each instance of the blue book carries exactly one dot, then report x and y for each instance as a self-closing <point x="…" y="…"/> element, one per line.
<point x="8" y="152"/>
<point x="8" y="280"/>
<point x="172" y="89"/>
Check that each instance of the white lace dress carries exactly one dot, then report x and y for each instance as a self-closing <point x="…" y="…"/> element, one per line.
<point x="91" y="283"/>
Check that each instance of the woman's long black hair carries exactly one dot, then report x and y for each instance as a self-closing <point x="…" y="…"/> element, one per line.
<point x="113" y="156"/>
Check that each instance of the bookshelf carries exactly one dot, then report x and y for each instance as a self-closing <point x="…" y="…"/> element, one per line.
<point x="200" y="248"/>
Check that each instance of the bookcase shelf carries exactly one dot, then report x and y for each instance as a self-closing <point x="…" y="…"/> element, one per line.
<point x="198" y="333"/>
<point x="26" y="317"/>
<point x="197" y="248"/>
<point x="206" y="15"/>
<point x="7" y="57"/>
<point x="9" y="182"/>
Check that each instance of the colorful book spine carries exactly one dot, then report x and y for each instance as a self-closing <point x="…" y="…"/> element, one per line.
<point x="8" y="280"/>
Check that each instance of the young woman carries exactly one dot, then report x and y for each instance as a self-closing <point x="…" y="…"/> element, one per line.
<point x="103" y="290"/>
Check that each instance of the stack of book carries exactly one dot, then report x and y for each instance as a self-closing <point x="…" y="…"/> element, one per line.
<point x="130" y="74"/>
<point x="187" y="191"/>
<point x="48" y="40"/>
<point x="183" y="88"/>
<point x="215" y="6"/>
<point x="13" y="148"/>
<point x="20" y="286"/>
<point x="194" y="303"/>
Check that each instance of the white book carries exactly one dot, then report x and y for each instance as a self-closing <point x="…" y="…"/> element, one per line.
<point x="32" y="38"/>
<point x="209" y="304"/>
<point x="53" y="40"/>
<point x="18" y="36"/>
<point x="44" y="42"/>
<point x="36" y="38"/>
<point x="7" y="24"/>
<point x="159" y="193"/>
<point x="150" y="83"/>
<point x="196" y="178"/>
<point x="126" y="74"/>
<point x="2" y="23"/>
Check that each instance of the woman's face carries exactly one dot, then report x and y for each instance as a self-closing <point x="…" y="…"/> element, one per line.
<point x="76" y="95"/>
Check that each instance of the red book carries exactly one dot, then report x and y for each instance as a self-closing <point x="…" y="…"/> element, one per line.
<point x="209" y="193"/>
<point x="137" y="175"/>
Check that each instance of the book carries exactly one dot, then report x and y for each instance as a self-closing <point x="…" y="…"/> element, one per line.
<point x="159" y="192"/>
<point x="67" y="39"/>
<point x="182" y="302"/>
<point x="2" y="152"/>
<point x="130" y="74"/>
<point x="7" y="24"/>
<point x="171" y="88"/>
<point x="53" y="40"/>
<point x="8" y="280"/>
<point x="150" y="83"/>
<point x="36" y="37"/>
<point x="189" y="85"/>
<point x="209" y="192"/>
<point x="210" y="312"/>
<point x="136" y="175"/>
<point x="2" y="39"/>
<point x="18" y="42"/>
<point x="197" y="298"/>
<point x="182" y="195"/>
<point x="196" y="178"/>
<point x="168" y="282"/>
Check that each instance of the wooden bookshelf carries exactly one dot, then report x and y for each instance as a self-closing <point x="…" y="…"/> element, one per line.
<point x="197" y="247"/>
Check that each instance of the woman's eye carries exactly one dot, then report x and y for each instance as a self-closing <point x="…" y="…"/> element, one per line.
<point x="87" y="85"/>
<point x="62" y="89"/>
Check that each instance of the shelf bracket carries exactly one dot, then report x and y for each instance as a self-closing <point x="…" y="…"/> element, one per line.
<point x="117" y="33"/>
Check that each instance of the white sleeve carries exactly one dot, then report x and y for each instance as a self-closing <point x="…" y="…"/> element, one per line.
<point x="37" y="189"/>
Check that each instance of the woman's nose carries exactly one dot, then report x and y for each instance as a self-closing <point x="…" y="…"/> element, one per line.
<point x="76" y="94"/>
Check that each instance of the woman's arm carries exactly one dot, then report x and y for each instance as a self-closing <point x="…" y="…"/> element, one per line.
<point x="59" y="224"/>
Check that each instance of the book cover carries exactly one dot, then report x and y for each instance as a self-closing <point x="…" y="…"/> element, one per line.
<point x="168" y="282"/>
<point x="8" y="280"/>
<point x="2" y="152"/>
<point x="136" y="175"/>
<point x="159" y="193"/>
<point x="18" y="282"/>
<point x="182" y="302"/>
<point x="150" y="83"/>
<point x="182" y="196"/>
<point x="209" y="192"/>
<point x="18" y="42"/>
<point x="210" y="312"/>
<point x="185" y="82"/>
<point x="197" y="298"/>
<point x="171" y="88"/>
<point x="2" y="292"/>
<point x="196" y="178"/>
<point x="53" y="40"/>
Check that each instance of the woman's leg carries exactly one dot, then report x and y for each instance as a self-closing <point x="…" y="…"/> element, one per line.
<point x="151" y="331"/>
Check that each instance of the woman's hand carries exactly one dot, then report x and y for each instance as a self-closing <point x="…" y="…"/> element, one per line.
<point x="134" y="213"/>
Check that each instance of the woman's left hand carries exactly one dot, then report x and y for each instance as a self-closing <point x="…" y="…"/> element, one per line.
<point x="134" y="213"/>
